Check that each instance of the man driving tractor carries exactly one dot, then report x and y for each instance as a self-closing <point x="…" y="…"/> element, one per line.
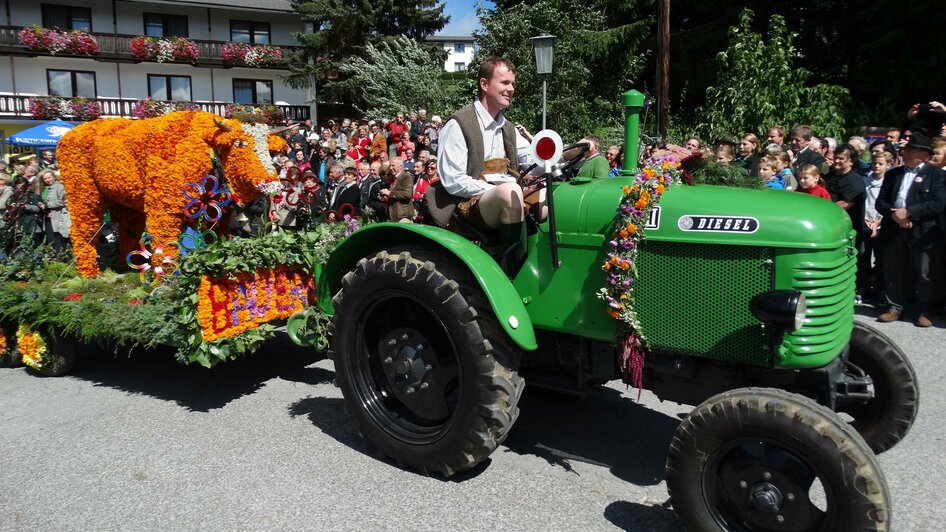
<point x="479" y="158"/>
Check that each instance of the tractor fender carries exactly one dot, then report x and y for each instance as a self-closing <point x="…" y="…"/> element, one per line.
<point x="503" y="297"/>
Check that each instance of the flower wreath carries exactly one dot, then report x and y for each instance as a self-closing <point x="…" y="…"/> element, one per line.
<point x="620" y="267"/>
<point x="32" y="347"/>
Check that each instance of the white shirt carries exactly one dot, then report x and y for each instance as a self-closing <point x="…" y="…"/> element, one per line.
<point x="908" y="177"/>
<point x="873" y="190"/>
<point x="452" y="154"/>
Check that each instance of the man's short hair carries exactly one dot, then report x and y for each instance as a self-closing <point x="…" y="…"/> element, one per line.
<point x="779" y="129"/>
<point x="846" y="148"/>
<point x="885" y="155"/>
<point x="938" y="142"/>
<point x="594" y="141"/>
<point x="488" y="67"/>
<point x="803" y="131"/>
<point x="773" y="149"/>
<point x="859" y="143"/>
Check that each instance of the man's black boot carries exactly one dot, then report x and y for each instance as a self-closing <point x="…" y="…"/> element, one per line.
<point x="513" y="247"/>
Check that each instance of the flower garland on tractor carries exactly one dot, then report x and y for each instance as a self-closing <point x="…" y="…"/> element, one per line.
<point x="620" y="267"/>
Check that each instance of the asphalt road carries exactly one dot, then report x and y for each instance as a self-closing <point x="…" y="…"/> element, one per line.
<point x="142" y="443"/>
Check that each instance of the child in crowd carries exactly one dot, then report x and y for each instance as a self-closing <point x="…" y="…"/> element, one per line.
<point x="880" y="163"/>
<point x="810" y="182"/>
<point x="870" y="272"/>
<point x="783" y="167"/>
<point x="725" y="154"/>
<point x="768" y="173"/>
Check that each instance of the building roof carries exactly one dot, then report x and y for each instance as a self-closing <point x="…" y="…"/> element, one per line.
<point x="451" y="38"/>
<point x="254" y="5"/>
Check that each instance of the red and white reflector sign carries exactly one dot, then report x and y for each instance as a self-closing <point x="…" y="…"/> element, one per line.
<point x="546" y="148"/>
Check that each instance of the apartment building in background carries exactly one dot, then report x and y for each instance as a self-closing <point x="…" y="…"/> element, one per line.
<point x="207" y="71"/>
<point x="460" y="51"/>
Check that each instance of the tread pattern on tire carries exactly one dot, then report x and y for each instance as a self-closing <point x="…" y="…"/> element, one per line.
<point x="871" y="499"/>
<point x="497" y="357"/>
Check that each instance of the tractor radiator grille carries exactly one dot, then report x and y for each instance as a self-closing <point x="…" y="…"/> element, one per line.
<point x="829" y="291"/>
<point x="693" y="299"/>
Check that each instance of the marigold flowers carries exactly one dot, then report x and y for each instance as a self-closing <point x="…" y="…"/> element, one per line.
<point x="634" y="211"/>
<point x="32" y="347"/>
<point x="230" y="305"/>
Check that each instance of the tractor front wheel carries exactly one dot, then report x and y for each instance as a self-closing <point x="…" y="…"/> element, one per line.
<point x="764" y="459"/>
<point x="886" y="418"/>
<point x="425" y="368"/>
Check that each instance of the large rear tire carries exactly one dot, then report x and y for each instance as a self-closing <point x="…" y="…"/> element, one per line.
<point x="884" y="420"/>
<point x="425" y="368"/>
<point x="755" y="459"/>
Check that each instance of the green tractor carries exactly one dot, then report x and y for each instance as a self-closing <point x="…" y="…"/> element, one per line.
<point x="746" y="297"/>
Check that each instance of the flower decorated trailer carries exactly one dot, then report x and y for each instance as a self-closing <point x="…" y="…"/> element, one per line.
<point x="736" y="299"/>
<point x="211" y="297"/>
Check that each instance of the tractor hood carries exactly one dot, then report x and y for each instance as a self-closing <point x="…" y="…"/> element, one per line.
<point x="708" y="214"/>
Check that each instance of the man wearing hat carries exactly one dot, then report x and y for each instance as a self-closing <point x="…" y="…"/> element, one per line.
<point x="911" y="201"/>
<point x="726" y="140"/>
<point x="346" y="191"/>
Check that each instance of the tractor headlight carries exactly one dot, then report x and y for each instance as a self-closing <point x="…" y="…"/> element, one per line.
<point x="782" y="309"/>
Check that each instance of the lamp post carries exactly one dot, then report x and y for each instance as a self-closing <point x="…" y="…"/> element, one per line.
<point x="544" y="48"/>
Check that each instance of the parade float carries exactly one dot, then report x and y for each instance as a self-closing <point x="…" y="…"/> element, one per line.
<point x="706" y="295"/>
<point x="168" y="184"/>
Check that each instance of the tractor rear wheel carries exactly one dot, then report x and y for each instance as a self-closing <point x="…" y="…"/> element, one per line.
<point x="425" y="368"/>
<point x="762" y="459"/>
<point x="884" y="420"/>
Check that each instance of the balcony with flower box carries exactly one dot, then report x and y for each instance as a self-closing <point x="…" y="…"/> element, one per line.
<point x="79" y="109"/>
<point x="112" y="47"/>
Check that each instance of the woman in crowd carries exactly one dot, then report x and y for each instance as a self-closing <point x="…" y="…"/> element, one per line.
<point x="748" y="158"/>
<point x="52" y="193"/>
<point x="433" y="133"/>
<point x="427" y="176"/>
<point x="301" y="163"/>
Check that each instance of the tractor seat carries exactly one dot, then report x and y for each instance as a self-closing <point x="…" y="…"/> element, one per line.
<point x="441" y="206"/>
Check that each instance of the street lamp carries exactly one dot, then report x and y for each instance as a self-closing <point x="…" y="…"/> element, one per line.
<point x="544" y="47"/>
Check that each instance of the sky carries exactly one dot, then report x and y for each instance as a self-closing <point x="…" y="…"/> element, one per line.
<point x="462" y="17"/>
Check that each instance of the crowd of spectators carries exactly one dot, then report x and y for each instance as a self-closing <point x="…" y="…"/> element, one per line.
<point x="893" y="189"/>
<point x="348" y="168"/>
<point x="33" y="207"/>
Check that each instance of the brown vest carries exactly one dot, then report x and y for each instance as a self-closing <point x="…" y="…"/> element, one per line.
<point x="440" y="203"/>
<point x="470" y="127"/>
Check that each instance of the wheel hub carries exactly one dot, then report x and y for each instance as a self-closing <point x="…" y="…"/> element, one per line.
<point x="766" y="497"/>
<point x="405" y="355"/>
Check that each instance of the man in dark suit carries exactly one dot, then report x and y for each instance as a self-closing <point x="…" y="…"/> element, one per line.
<point x="804" y="155"/>
<point x="911" y="202"/>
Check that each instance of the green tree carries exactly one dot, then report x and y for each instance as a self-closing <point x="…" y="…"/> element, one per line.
<point x="758" y="85"/>
<point x="586" y="83"/>
<point x="398" y="75"/>
<point x="342" y="29"/>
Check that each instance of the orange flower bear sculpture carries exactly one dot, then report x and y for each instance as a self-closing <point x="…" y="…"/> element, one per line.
<point x="138" y="169"/>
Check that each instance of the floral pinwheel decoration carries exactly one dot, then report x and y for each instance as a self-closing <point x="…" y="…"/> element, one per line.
<point x="152" y="260"/>
<point x="206" y="199"/>
<point x="191" y="240"/>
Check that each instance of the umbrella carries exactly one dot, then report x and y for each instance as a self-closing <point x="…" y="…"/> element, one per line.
<point x="47" y="134"/>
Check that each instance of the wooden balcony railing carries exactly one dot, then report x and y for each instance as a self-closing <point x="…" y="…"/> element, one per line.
<point x="19" y="106"/>
<point x="116" y="46"/>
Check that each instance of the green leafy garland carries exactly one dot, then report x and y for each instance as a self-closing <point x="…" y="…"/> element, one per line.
<point x="116" y="309"/>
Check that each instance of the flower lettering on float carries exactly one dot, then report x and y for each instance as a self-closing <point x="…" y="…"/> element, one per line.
<point x="227" y="306"/>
